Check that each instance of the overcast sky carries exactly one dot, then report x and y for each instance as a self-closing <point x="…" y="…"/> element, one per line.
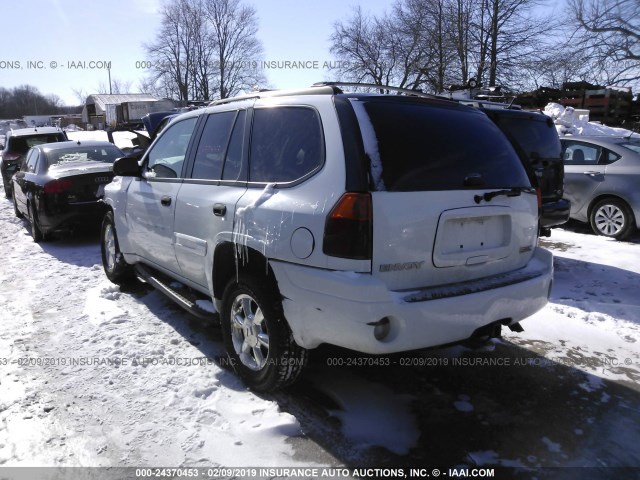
<point x="61" y="45"/>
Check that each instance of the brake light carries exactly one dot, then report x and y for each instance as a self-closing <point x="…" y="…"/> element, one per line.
<point x="539" y="195"/>
<point x="348" y="231"/>
<point x="57" y="186"/>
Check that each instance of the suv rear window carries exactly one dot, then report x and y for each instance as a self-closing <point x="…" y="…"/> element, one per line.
<point x="23" y="144"/>
<point x="436" y="147"/>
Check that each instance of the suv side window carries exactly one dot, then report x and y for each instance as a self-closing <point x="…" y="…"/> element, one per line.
<point x="166" y="157"/>
<point x="576" y="153"/>
<point x="286" y="144"/>
<point x="233" y="162"/>
<point x="212" y="146"/>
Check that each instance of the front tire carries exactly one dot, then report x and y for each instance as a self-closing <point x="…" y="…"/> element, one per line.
<point x="257" y="337"/>
<point x="17" y="212"/>
<point x="115" y="267"/>
<point x="612" y="218"/>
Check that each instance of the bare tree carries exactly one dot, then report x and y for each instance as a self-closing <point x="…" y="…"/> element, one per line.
<point x="81" y="95"/>
<point x="394" y="49"/>
<point x="117" y="87"/>
<point x="204" y="49"/>
<point x="507" y="34"/>
<point x="425" y="45"/>
<point x="434" y="43"/>
<point x="364" y="47"/>
<point x="459" y="14"/>
<point x="237" y="49"/>
<point x="204" y="75"/>
<point x="610" y="31"/>
<point x="171" y="54"/>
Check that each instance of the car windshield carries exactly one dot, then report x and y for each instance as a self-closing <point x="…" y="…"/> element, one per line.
<point x="633" y="146"/>
<point x="61" y="157"/>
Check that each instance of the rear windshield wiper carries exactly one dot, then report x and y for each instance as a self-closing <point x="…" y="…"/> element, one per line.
<point x="512" y="192"/>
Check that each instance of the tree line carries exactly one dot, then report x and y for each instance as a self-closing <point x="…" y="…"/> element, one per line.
<point x="26" y="99"/>
<point x="431" y="44"/>
<point x="209" y="49"/>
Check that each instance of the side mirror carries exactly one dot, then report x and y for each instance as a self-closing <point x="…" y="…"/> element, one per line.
<point x="126" y="167"/>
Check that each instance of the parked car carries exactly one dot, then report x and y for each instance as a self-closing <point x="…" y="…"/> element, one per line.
<point x="379" y="223"/>
<point x="602" y="182"/>
<point x="17" y="143"/>
<point x="534" y="136"/>
<point x="60" y="185"/>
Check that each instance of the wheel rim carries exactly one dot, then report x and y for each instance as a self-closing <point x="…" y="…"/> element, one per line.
<point x="249" y="332"/>
<point x="610" y="220"/>
<point x="109" y="247"/>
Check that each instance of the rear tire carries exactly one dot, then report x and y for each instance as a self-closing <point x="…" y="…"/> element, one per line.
<point x="257" y="337"/>
<point x="115" y="267"/>
<point x="17" y="212"/>
<point x="612" y="218"/>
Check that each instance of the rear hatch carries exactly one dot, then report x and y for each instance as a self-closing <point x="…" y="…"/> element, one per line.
<point x="535" y="134"/>
<point x="451" y="200"/>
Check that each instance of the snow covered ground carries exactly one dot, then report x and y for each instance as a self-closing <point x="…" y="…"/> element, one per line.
<point x="93" y="376"/>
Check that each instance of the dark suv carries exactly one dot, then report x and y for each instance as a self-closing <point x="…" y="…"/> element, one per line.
<point x="534" y="137"/>
<point x="17" y="144"/>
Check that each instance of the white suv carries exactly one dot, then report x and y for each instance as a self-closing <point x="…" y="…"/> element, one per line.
<point x="379" y="223"/>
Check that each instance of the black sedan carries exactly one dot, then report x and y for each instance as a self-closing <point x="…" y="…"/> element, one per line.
<point x="60" y="185"/>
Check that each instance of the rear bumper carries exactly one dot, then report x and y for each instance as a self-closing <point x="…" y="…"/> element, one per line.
<point x="72" y="215"/>
<point x="555" y="213"/>
<point x="337" y="307"/>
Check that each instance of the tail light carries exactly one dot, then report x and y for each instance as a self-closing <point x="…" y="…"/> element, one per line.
<point x="348" y="231"/>
<point x="10" y="157"/>
<point x="57" y="186"/>
<point x="539" y="195"/>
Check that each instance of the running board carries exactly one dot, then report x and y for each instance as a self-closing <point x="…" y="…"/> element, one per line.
<point x="147" y="276"/>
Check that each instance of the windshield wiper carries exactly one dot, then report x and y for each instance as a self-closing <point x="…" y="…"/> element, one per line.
<point x="512" y="192"/>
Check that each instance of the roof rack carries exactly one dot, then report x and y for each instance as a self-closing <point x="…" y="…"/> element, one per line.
<point x="473" y="102"/>
<point x="407" y="91"/>
<point x="321" y="88"/>
<point x="278" y="93"/>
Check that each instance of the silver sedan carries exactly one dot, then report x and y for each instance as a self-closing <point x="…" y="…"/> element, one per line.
<point x="602" y="182"/>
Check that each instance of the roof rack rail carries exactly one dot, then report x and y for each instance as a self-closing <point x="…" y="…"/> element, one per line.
<point x="330" y="90"/>
<point x="480" y="103"/>
<point x="408" y="91"/>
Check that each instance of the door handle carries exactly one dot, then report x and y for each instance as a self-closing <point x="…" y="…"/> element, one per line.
<point x="592" y="174"/>
<point x="166" y="200"/>
<point x="219" y="209"/>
